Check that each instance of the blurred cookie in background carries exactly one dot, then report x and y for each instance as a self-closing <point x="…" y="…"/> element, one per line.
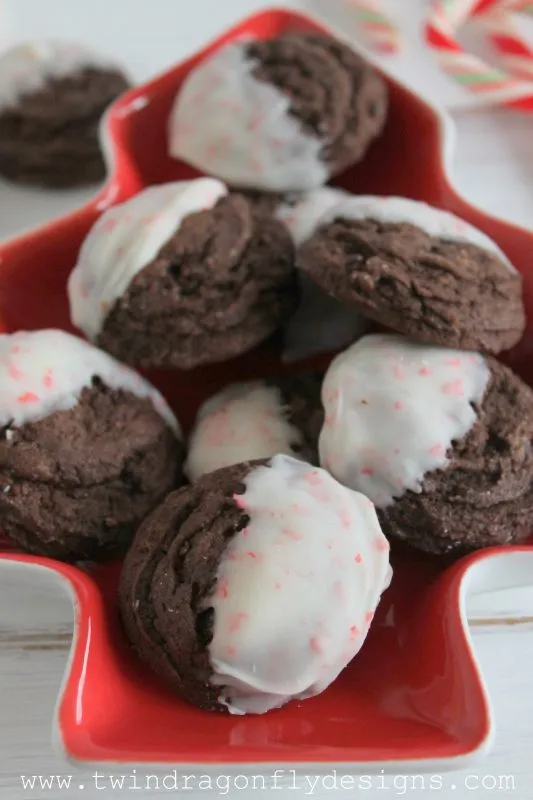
<point x="52" y="97"/>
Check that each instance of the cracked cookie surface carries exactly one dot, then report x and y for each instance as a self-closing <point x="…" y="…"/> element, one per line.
<point x="436" y="291"/>
<point x="220" y="286"/>
<point x="77" y="483"/>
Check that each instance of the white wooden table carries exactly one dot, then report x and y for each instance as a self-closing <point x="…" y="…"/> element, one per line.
<point x="494" y="168"/>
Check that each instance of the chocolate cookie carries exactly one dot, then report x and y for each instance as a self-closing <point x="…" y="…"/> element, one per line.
<point x="440" y="440"/>
<point x="311" y="549"/>
<point x="87" y="447"/>
<point x="197" y="277"/>
<point x="417" y="270"/>
<point x="281" y="114"/>
<point x="250" y="421"/>
<point x="52" y="98"/>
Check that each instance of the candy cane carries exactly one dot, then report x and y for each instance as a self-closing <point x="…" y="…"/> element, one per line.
<point x="379" y="30"/>
<point x="516" y="54"/>
<point x="492" y="85"/>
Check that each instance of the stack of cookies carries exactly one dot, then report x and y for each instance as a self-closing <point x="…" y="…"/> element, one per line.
<point x="257" y="553"/>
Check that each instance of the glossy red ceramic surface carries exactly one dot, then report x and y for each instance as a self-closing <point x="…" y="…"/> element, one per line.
<point x="414" y="692"/>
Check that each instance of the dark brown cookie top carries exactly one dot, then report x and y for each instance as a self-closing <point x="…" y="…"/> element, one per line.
<point x="485" y="494"/>
<point x="494" y="462"/>
<point x="77" y="483"/>
<point x="430" y="524"/>
<point x="169" y="572"/>
<point x="51" y="135"/>
<point x="337" y="96"/>
<point x="433" y="290"/>
<point x="223" y="283"/>
<point x="74" y="97"/>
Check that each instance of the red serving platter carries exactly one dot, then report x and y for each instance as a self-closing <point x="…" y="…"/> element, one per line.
<point x="414" y="696"/>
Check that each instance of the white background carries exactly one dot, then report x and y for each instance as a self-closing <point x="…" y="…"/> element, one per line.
<point x="493" y="167"/>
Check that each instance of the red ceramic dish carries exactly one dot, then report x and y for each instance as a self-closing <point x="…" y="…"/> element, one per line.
<point x="414" y="696"/>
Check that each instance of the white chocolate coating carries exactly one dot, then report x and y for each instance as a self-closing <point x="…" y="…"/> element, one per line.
<point x="126" y="238"/>
<point x="433" y="221"/>
<point x="45" y="371"/>
<point x="296" y="589"/>
<point x="393" y="407"/>
<point x="243" y="422"/>
<point x="227" y="123"/>
<point x="26" y="68"/>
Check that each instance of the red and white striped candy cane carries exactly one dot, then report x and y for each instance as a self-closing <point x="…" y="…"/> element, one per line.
<point x="498" y="20"/>
<point x="380" y="32"/>
<point x="493" y="86"/>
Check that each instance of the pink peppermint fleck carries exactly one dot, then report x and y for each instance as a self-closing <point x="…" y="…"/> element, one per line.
<point x="399" y="372"/>
<point x="367" y="471"/>
<point x="236" y="621"/>
<point x="27" y="397"/>
<point x="14" y="372"/>
<point x="108" y="225"/>
<point x="354" y="631"/>
<point x="293" y="534"/>
<point x="369" y="616"/>
<point x="313" y="478"/>
<point x="239" y="500"/>
<point x="256" y="122"/>
<point x="424" y="371"/>
<point x="300" y="509"/>
<point x="48" y="381"/>
<point x="346" y="519"/>
<point x="256" y="165"/>
<point x="222" y="589"/>
<point x="436" y="450"/>
<point x="454" y="387"/>
<point x="316" y="644"/>
<point x="358" y="558"/>
<point x="398" y="405"/>
<point x="453" y="362"/>
<point x="332" y="396"/>
<point x="319" y="494"/>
